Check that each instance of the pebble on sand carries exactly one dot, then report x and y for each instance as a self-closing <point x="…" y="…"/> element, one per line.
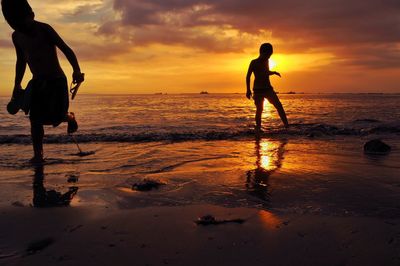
<point x="376" y="146"/>
<point x="147" y="185"/>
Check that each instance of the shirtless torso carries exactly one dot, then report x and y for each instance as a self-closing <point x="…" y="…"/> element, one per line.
<point x="260" y="69"/>
<point x="39" y="50"/>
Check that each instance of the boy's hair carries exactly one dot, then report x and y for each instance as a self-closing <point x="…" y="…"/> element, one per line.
<point x="15" y="10"/>
<point x="266" y="48"/>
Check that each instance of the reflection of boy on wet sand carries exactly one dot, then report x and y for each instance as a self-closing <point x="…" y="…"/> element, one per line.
<point x="262" y="86"/>
<point x="49" y="198"/>
<point x="35" y="44"/>
<point x="257" y="179"/>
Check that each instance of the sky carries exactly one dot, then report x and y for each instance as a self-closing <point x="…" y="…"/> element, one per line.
<point x="179" y="46"/>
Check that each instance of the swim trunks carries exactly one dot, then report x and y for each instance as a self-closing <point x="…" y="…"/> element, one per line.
<point x="48" y="103"/>
<point x="269" y="94"/>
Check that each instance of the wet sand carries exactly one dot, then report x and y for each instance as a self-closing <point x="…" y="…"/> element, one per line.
<point x="168" y="236"/>
<point x="305" y="202"/>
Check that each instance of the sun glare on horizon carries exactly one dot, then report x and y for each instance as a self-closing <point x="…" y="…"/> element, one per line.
<point x="272" y="64"/>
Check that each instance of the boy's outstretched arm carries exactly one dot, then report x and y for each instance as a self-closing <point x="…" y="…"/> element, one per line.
<point x="274" y="73"/>
<point x="77" y="76"/>
<point x="248" y="77"/>
<point x="20" y="66"/>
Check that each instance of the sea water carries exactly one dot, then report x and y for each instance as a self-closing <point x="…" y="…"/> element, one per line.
<point x="204" y="149"/>
<point x="176" y="117"/>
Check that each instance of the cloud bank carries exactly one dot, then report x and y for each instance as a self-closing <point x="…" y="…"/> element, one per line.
<point x="360" y="33"/>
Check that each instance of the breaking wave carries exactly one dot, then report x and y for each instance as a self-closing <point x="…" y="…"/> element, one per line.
<point x="299" y="130"/>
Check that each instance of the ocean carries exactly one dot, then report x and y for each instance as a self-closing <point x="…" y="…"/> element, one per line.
<point x="202" y="149"/>
<point x="181" y="117"/>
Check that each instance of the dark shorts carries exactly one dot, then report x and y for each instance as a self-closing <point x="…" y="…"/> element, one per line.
<point x="269" y="94"/>
<point x="48" y="100"/>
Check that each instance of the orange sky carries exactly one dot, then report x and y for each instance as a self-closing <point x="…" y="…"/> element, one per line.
<point x="174" y="46"/>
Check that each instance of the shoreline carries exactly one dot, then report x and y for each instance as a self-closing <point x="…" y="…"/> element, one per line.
<point x="272" y="173"/>
<point x="343" y="211"/>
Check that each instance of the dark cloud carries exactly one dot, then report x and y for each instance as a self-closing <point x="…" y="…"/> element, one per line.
<point x="340" y="27"/>
<point x="381" y="56"/>
<point x="100" y="53"/>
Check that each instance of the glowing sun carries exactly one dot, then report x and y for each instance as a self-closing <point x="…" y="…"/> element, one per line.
<point x="271" y="63"/>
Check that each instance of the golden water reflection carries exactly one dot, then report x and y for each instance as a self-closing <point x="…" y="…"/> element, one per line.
<point x="268" y="111"/>
<point x="269" y="157"/>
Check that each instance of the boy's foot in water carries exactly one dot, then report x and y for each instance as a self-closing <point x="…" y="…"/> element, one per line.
<point x="37" y="160"/>
<point x="258" y="131"/>
<point x="287" y="126"/>
<point x="72" y="124"/>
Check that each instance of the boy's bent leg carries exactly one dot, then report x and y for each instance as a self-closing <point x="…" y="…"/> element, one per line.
<point x="259" y="102"/>
<point x="37" y="133"/>
<point x="274" y="100"/>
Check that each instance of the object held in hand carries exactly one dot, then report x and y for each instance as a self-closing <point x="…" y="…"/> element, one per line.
<point x="13" y="107"/>
<point x="16" y="102"/>
<point x="74" y="90"/>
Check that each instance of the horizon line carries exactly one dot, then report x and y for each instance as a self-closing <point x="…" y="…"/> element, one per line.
<point x="197" y="93"/>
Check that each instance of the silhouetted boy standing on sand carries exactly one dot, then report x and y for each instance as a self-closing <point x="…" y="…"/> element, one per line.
<point x="262" y="86"/>
<point x="35" y="44"/>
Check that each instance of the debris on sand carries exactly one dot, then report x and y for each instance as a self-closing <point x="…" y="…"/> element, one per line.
<point x="376" y="146"/>
<point x="39" y="245"/>
<point x="72" y="178"/>
<point x="147" y="185"/>
<point x="211" y="220"/>
<point x="85" y="153"/>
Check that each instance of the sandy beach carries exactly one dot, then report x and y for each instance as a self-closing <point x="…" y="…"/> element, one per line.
<point x="297" y="210"/>
<point x="168" y="236"/>
<point x="307" y="195"/>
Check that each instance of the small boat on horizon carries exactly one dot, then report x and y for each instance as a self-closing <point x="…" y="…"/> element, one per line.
<point x="204" y="92"/>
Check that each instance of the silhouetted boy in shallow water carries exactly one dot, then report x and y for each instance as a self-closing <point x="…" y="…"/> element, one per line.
<point x="35" y="44"/>
<point x="262" y="86"/>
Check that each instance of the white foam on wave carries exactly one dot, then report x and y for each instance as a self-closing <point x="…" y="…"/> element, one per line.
<point x="296" y="130"/>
